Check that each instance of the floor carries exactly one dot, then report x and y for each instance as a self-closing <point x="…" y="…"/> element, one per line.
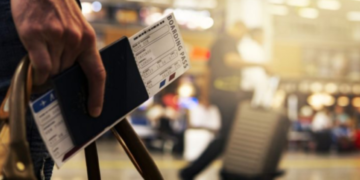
<point x="299" y="166"/>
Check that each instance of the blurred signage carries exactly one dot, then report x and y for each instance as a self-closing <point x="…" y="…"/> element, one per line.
<point x="199" y="54"/>
<point x="126" y="16"/>
<point x="196" y="4"/>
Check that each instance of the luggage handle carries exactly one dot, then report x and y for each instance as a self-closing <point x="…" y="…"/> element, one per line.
<point x="18" y="164"/>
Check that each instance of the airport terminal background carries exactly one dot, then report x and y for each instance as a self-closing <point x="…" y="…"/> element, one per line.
<point x="312" y="46"/>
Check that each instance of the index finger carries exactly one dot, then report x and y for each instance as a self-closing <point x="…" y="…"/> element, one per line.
<point x="90" y="62"/>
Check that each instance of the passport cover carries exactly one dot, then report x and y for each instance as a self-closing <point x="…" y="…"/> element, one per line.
<point x="124" y="92"/>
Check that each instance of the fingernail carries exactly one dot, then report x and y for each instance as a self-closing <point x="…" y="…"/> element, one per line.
<point x="96" y="112"/>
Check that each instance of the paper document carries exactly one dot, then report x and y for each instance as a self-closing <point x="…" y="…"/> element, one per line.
<point x="51" y="125"/>
<point x="160" y="57"/>
<point x="160" y="54"/>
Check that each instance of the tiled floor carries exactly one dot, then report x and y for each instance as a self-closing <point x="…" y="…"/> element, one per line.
<point x="298" y="166"/>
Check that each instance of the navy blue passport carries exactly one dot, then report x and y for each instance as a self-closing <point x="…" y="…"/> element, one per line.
<point x="124" y="92"/>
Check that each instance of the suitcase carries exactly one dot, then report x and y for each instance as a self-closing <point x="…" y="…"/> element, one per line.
<point x="256" y="143"/>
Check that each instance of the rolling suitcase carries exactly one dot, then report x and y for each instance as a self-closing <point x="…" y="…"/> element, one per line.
<point x="256" y="142"/>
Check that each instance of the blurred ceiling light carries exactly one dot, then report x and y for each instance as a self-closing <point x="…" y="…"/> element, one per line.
<point x="343" y="101"/>
<point x="279" y="10"/>
<point x="298" y="3"/>
<point x="161" y="1"/>
<point x="356" y="89"/>
<point x="306" y="111"/>
<point x="96" y="6"/>
<point x="353" y="16"/>
<point x="356" y="102"/>
<point x="309" y="13"/>
<point x="345" y="88"/>
<point x="304" y="87"/>
<point x="328" y="100"/>
<point x="316" y="87"/>
<point x="319" y="100"/>
<point x="186" y="90"/>
<point x="86" y="8"/>
<point x="206" y="23"/>
<point x="331" y="88"/>
<point x="195" y="4"/>
<point x="277" y="1"/>
<point x="290" y="87"/>
<point x="192" y="19"/>
<point x="329" y="4"/>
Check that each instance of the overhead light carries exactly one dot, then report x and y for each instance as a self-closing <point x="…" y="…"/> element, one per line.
<point x="96" y="6"/>
<point x="186" y="90"/>
<point x="316" y="87"/>
<point x="343" y="101"/>
<point x="160" y="1"/>
<point x="306" y="111"/>
<point x="298" y="3"/>
<point x="356" y="89"/>
<point x="353" y="16"/>
<point x="206" y="23"/>
<point x="136" y="0"/>
<point x="290" y="87"/>
<point x="309" y="13"/>
<point x="86" y="8"/>
<point x="304" y="87"/>
<point x="356" y="102"/>
<point x="331" y="88"/>
<point x="279" y="10"/>
<point x="328" y="100"/>
<point x="319" y="100"/>
<point x="345" y="88"/>
<point x="329" y="4"/>
<point x="277" y="1"/>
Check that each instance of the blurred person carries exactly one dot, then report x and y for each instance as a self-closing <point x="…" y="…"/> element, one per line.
<point x="321" y="129"/>
<point x="55" y="35"/>
<point x="322" y="121"/>
<point x="225" y="64"/>
<point x="251" y="49"/>
<point x="343" y="131"/>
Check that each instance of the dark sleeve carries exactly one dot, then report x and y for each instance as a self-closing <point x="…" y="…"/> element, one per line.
<point x="79" y="3"/>
<point x="219" y="49"/>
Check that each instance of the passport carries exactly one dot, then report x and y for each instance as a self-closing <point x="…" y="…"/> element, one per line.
<point x="124" y="92"/>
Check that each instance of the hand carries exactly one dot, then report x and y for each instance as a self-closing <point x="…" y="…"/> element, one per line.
<point x="55" y="34"/>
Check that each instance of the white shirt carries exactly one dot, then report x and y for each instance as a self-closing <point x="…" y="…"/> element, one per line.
<point x="252" y="52"/>
<point x="203" y="117"/>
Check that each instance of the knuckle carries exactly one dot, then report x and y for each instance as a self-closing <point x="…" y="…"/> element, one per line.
<point x="54" y="30"/>
<point x="89" y="36"/>
<point x="73" y="36"/>
<point x="31" y="31"/>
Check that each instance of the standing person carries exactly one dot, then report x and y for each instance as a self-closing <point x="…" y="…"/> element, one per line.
<point x="224" y="65"/>
<point x="55" y="35"/>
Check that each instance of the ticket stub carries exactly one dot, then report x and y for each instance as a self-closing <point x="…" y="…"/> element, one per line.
<point x="160" y="56"/>
<point x="51" y="125"/>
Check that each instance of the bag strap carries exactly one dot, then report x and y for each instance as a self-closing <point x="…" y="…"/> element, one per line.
<point x="92" y="162"/>
<point x="133" y="147"/>
<point x="18" y="164"/>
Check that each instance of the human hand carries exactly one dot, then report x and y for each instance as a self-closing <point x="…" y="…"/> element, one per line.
<point x="56" y="35"/>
